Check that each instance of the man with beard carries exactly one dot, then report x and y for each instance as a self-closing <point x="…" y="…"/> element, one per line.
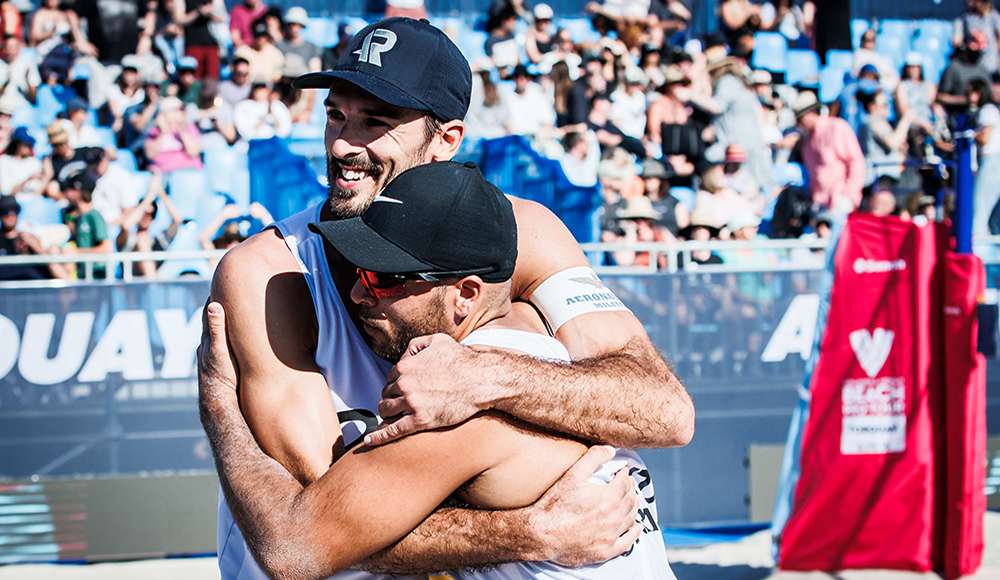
<point x="435" y="253"/>
<point x="397" y="99"/>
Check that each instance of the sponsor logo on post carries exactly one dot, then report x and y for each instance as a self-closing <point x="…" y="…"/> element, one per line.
<point x="873" y="407"/>
<point x="865" y="266"/>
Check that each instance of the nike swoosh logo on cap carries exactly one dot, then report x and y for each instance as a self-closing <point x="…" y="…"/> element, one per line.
<point x="387" y="199"/>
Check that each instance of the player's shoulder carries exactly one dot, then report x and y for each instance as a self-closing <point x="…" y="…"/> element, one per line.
<point x="544" y="246"/>
<point x="253" y="262"/>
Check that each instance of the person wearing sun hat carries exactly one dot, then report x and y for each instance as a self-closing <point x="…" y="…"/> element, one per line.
<point x="832" y="156"/>
<point x="738" y="178"/>
<point x="20" y="171"/>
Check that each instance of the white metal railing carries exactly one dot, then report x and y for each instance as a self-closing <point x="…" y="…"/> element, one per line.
<point x="677" y="254"/>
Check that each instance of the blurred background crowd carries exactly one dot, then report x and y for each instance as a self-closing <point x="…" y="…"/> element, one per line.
<point x="119" y="118"/>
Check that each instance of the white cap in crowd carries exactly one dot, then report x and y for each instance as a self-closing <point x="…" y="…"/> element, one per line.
<point x="543" y="12"/>
<point x="297" y="15"/>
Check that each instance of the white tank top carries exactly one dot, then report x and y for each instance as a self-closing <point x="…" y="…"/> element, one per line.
<point x="647" y="560"/>
<point x="353" y="372"/>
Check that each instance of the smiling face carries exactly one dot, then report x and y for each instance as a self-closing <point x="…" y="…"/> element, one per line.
<point x="368" y="143"/>
<point x="391" y="323"/>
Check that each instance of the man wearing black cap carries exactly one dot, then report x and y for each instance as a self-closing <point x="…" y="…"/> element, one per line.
<point x="397" y="97"/>
<point x="436" y="256"/>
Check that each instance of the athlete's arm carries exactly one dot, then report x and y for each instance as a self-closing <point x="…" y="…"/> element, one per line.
<point x="272" y="335"/>
<point x="618" y="391"/>
<point x="371" y="497"/>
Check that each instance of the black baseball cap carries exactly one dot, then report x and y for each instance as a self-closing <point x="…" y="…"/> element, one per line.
<point x="81" y="181"/>
<point x="405" y="62"/>
<point x="8" y="203"/>
<point x="440" y="219"/>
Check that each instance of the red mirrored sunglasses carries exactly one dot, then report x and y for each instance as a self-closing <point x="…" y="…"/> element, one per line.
<point x="382" y="285"/>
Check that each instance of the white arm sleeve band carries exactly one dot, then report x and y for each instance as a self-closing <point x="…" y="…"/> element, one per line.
<point x="572" y="292"/>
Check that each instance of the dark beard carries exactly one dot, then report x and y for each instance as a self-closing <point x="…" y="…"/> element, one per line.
<point x="343" y="212"/>
<point x="399" y="334"/>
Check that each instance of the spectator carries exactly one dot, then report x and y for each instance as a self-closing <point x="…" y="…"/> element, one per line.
<point x="884" y="147"/>
<point x="20" y="171"/>
<point x="489" y="114"/>
<point x="260" y="116"/>
<point x="332" y="54"/>
<point x="961" y="70"/>
<point x="213" y="117"/>
<point x="562" y="86"/>
<point x="185" y="86"/>
<point x="701" y="230"/>
<point x="135" y="235"/>
<point x="301" y="57"/>
<point x="64" y="162"/>
<point x="89" y="232"/>
<point x="161" y="30"/>
<point x="530" y="109"/>
<point x="673" y="216"/>
<point x="628" y="104"/>
<point x="51" y="23"/>
<point x="296" y="19"/>
<point x="114" y="188"/>
<point x="230" y="234"/>
<point x="737" y="119"/>
<point x="264" y="58"/>
<point x="173" y="143"/>
<point x="637" y="220"/>
<point x="139" y="118"/>
<point x="19" y="76"/>
<point x="828" y="22"/>
<point x="581" y="157"/>
<point x="918" y="96"/>
<point x="112" y="27"/>
<point x="409" y="8"/>
<point x="865" y="56"/>
<point x="241" y="17"/>
<point x="716" y="202"/>
<point x="7" y="109"/>
<point x="739" y="20"/>
<point x="832" y="156"/>
<point x="77" y="126"/>
<point x="980" y="15"/>
<point x="563" y="51"/>
<point x="590" y="84"/>
<point x="539" y="41"/>
<point x="15" y="242"/>
<point x="608" y="134"/>
<point x="921" y="204"/>
<point x="501" y="45"/>
<point x="986" y="190"/>
<point x="883" y="204"/>
<point x="196" y="17"/>
<point x="649" y="63"/>
<point x="298" y="102"/>
<point x="671" y="110"/>
<point x="237" y="87"/>
<point x="847" y="107"/>
<point x="738" y="179"/>
<point x="126" y="92"/>
<point x="784" y="17"/>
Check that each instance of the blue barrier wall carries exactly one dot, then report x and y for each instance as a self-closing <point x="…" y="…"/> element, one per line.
<point x="99" y="379"/>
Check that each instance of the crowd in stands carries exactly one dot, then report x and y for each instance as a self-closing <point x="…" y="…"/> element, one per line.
<point x="687" y="137"/>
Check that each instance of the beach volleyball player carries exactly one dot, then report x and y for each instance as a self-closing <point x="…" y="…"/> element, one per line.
<point x="397" y="97"/>
<point x="435" y="253"/>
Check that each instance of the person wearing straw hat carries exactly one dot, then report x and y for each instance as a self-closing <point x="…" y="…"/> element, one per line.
<point x="832" y="156"/>
<point x="701" y="229"/>
<point x="637" y="221"/>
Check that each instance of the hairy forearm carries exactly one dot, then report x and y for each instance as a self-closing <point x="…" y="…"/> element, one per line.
<point x="628" y="398"/>
<point x="244" y="470"/>
<point x="453" y="538"/>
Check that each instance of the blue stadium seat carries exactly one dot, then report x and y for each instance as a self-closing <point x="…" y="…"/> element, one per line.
<point x="208" y="208"/>
<point x="789" y="174"/>
<point x="831" y="83"/>
<point x="893" y="47"/>
<point x="186" y="240"/>
<point x="898" y="28"/>
<point x="803" y="68"/>
<point x="319" y="31"/>
<point x="858" y="28"/>
<point x="770" y="51"/>
<point x="473" y="44"/>
<point x="685" y="195"/>
<point x="282" y="182"/>
<point x="229" y="173"/>
<point x="106" y="137"/>
<point x="840" y="59"/>
<point x="318" y="114"/>
<point x="24" y="116"/>
<point x="39" y="210"/>
<point x="49" y="105"/>
<point x="126" y="159"/>
<point x="186" y="188"/>
<point x="580" y="29"/>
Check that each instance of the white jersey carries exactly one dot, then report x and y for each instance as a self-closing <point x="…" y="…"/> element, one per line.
<point x="647" y="560"/>
<point x="353" y="372"/>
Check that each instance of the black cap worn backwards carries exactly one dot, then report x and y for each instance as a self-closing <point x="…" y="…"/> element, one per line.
<point x="441" y="218"/>
<point x="405" y="62"/>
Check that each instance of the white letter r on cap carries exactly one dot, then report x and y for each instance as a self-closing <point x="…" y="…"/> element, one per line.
<point x="371" y="52"/>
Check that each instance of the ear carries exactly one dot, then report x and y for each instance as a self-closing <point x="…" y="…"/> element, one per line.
<point x="468" y="294"/>
<point x="445" y="144"/>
